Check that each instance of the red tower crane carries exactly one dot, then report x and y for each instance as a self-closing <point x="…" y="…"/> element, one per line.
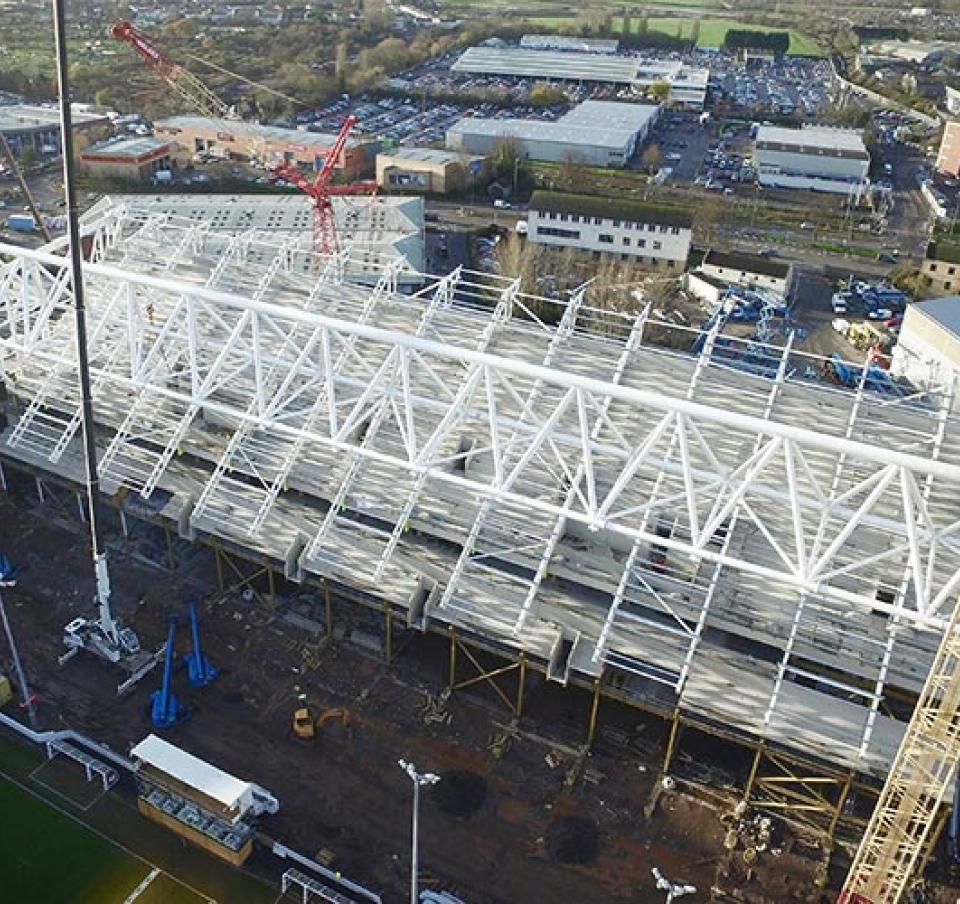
<point x="204" y="100"/>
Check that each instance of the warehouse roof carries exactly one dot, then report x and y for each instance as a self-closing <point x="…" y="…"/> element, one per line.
<point x="945" y="312"/>
<point x="569" y="42"/>
<point x="253" y="129"/>
<point x="26" y="117"/>
<point x="425" y="155"/>
<point x="817" y="139"/>
<point x="591" y="124"/>
<point x="123" y="146"/>
<point x="193" y="772"/>
<point x="581" y="67"/>
<point x="748" y="263"/>
<point x="610" y="208"/>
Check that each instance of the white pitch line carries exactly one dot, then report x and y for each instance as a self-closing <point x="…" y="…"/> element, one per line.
<point x="139" y="890"/>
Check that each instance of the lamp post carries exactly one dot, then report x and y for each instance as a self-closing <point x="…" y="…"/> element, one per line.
<point x="8" y="579"/>
<point x="419" y="780"/>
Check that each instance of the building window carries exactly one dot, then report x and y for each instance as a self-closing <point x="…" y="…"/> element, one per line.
<point x="675" y="230"/>
<point x="558" y="233"/>
<point x="641" y="243"/>
<point x="663" y="229"/>
<point x="657" y="246"/>
<point x="616" y="224"/>
<point x="563" y="217"/>
<point x="626" y="240"/>
<point x="597" y="221"/>
<point x="951" y="271"/>
<point x="605" y="239"/>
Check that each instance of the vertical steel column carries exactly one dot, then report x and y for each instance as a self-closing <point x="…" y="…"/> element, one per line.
<point x="328" y="606"/>
<point x="219" y="564"/>
<point x="171" y="557"/>
<point x="521" y="684"/>
<point x="753" y="771"/>
<point x="453" y="658"/>
<point x="594" y="708"/>
<point x="388" y="631"/>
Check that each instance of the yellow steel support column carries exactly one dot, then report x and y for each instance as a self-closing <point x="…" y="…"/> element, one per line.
<point x="171" y="557"/>
<point x="219" y="564"/>
<point x="671" y="741"/>
<point x="328" y="606"/>
<point x="521" y="683"/>
<point x="453" y="658"/>
<point x="594" y="709"/>
<point x="754" y="769"/>
<point x="388" y="631"/>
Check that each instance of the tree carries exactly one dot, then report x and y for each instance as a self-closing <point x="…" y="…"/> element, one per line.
<point x="570" y="173"/>
<point x="543" y="94"/>
<point x="659" y="91"/>
<point x="695" y="33"/>
<point x="626" y="25"/>
<point x="28" y="157"/>
<point x="708" y="215"/>
<point x="652" y="159"/>
<point x="643" y="26"/>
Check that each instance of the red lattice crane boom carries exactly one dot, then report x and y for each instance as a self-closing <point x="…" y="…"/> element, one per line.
<point x="204" y="100"/>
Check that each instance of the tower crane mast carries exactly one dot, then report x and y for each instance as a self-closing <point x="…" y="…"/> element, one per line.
<point x="919" y="781"/>
<point x="320" y="190"/>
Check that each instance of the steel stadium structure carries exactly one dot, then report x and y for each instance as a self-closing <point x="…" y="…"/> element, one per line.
<point x="735" y="544"/>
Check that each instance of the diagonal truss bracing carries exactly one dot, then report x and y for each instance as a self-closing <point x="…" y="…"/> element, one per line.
<point x="543" y="429"/>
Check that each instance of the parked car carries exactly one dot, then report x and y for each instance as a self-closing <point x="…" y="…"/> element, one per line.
<point x="806" y="224"/>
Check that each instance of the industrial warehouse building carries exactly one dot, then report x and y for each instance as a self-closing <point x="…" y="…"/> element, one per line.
<point x="820" y="158"/>
<point x="427" y="170"/>
<point x="596" y="133"/>
<point x="688" y="84"/>
<point x="752" y="271"/>
<point x="126" y="158"/>
<point x="569" y="43"/>
<point x="948" y="157"/>
<point x="643" y="232"/>
<point x="928" y="350"/>
<point x="38" y="127"/>
<point x="199" y="134"/>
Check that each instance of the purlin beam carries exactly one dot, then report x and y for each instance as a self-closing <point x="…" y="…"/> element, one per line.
<point x="228" y="307"/>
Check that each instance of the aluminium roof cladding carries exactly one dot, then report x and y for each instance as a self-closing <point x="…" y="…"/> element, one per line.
<point x="610" y="208"/>
<point x="825" y="140"/>
<point x="746" y="263"/>
<point x="27" y="117"/>
<point x="591" y="124"/>
<point x="268" y="133"/>
<point x="561" y="64"/>
<point x="425" y="155"/>
<point x="945" y="312"/>
<point x="132" y="147"/>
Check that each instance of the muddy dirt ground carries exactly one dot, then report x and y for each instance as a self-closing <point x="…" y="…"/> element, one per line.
<point x="497" y="830"/>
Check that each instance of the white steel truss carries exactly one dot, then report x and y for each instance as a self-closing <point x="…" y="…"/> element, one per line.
<point x="544" y="480"/>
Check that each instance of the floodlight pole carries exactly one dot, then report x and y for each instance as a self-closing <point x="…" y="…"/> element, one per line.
<point x="107" y="622"/>
<point x="419" y="779"/>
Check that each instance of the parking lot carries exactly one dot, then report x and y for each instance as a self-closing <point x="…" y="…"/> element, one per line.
<point x="796" y="87"/>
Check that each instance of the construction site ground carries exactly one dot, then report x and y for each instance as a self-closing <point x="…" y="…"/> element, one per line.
<point x="522" y="814"/>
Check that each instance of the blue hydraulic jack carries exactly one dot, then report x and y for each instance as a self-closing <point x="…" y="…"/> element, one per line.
<point x="200" y="671"/>
<point x="165" y="708"/>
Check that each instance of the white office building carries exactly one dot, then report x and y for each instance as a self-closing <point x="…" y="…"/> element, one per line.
<point x="647" y="233"/>
<point x="818" y="158"/>
<point x="596" y="133"/>
<point x="928" y="350"/>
